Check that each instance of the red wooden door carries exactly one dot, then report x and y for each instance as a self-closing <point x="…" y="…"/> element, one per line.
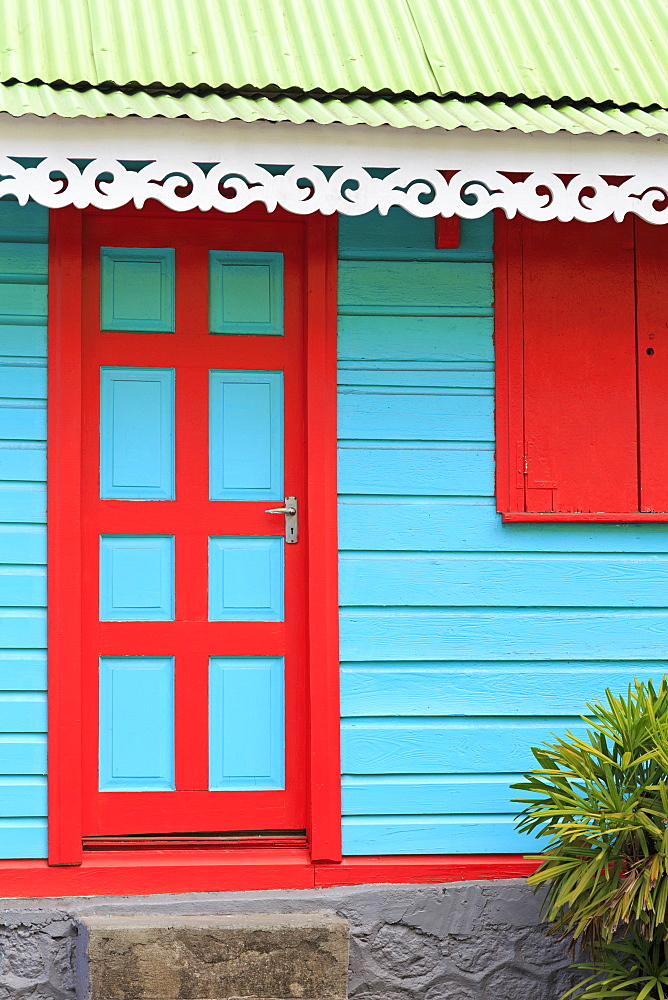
<point x="194" y="613"/>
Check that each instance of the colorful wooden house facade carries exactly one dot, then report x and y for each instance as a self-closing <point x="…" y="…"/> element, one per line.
<point x="271" y="252"/>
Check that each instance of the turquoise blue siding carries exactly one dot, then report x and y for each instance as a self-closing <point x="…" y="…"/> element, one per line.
<point x="137" y="289"/>
<point x="463" y="641"/>
<point x="246" y="723"/>
<point x="23" y="297"/>
<point x="246" y="435"/>
<point x="136" y="578"/>
<point x="246" y="578"/>
<point x="246" y="293"/>
<point x="136" y="723"/>
<point x="137" y="433"/>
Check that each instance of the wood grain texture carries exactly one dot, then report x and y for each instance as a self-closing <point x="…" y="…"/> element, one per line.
<point x="416" y="338"/>
<point x="24" y="838"/>
<point x="23" y="302"/>
<point x="25" y="795"/>
<point x="480" y="689"/>
<point x="22" y="754"/>
<point x="496" y="580"/>
<point x="24" y="502"/>
<point x="454" y="625"/>
<point x="364" y="374"/>
<point x="425" y="795"/>
<point x="443" y="746"/>
<point x="415" y="285"/>
<point x="504" y="634"/>
<point x="403" y="414"/>
<point x="22" y="712"/>
<point x="433" y="835"/>
<point x="23" y="670"/>
<point x="414" y="469"/>
<point x="451" y="525"/>
<point x="23" y="586"/>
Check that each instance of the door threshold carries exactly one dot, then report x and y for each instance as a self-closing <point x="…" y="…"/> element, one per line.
<point x="194" y="841"/>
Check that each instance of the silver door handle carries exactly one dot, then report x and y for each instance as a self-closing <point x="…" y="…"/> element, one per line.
<point x="291" y="511"/>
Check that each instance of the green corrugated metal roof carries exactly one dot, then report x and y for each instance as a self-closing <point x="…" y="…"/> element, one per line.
<point x="533" y="65"/>
<point x="594" y="50"/>
<point x="501" y="116"/>
<point x="582" y="50"/>
<point x="303" y="45"/>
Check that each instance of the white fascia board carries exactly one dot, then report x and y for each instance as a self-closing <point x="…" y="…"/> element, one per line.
<point x="415" y="158"/>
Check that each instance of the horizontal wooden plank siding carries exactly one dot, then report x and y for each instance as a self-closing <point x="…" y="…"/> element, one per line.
<point x="464" y="641"/>
<point x="480" y="689"/>
<point x="463" y="579"/>
<point x="23" y="290"/>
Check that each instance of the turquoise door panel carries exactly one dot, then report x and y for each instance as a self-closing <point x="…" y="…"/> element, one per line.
<point x="245" y="579"/>
<point x="137" y="289"/>
<point x="136" y="723"/>
<point x="245" y="435"/>
<point x="246" y="293"/>
<point x="136" y="578"/>
<point x="137" y="433"/>
<point x="246" y="723"/>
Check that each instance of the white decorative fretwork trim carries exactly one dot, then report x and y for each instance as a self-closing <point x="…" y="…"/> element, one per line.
<point x="191" y="165"/>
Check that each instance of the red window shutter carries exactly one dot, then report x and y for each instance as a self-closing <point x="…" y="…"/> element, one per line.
<point x="652" y="292"/>
<point x="569" y="322"/>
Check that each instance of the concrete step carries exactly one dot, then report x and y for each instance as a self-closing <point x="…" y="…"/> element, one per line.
<point x="286" y="956"/>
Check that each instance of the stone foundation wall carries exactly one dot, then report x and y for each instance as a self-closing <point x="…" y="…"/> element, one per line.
<point x="460" y="941"/>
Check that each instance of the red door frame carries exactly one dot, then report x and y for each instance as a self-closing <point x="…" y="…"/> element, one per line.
<point x="64" y="534"/>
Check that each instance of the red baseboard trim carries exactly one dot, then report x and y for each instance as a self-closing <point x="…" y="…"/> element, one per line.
<point x="138" y="873"/>
<point x="146" y="873"/>
<point x="423" y="869"/>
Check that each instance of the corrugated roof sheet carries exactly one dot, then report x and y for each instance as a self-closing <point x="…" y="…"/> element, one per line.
<point x="21" y="99"/>
<point x="595" y="50"/>
<point x="582" y="50"/>
<point x="329" y="46"/>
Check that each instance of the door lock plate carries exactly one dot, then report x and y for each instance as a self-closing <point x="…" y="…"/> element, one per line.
<point x="291" y="512"/>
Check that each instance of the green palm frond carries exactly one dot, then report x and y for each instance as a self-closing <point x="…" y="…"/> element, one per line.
<point x="600" y="802"/>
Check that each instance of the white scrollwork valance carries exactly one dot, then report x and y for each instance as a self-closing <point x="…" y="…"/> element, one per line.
<point x="351" y="170"/>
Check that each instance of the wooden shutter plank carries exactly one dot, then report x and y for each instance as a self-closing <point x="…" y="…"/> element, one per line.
<point x="652" y="304"/>
<point x="579" y="367"/>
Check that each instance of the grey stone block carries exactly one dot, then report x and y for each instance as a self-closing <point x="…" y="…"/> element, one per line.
<point x="169" y="957"/>
<point x="454" y="941"/>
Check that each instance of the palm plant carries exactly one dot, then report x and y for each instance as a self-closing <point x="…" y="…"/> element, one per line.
<point x="602" y="804"/>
